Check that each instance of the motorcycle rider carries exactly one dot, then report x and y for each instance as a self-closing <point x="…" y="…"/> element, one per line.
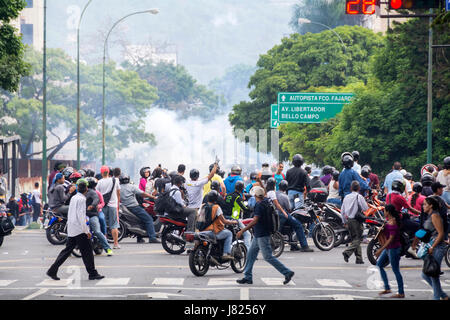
<point x="128" y="193"/>
<point x="356" y="165"/>
<point x="327" y="172"/>
<point x="298" y="181"/>
<point x="286" y="218"/>
<point x="145" y="176"/>
<point x="58" y="196"/>
<point x="279" y="175"/>
<point x="333" y="190"/>
<point x="443" y="177"/>
<point x="58" y="168"/>
<point x="231" y="180"/>
<point x="427" y="180"/>
<point x="348" y="175"/>
<point x="207" y="187"/>
<point x="185" y="212"/>
<point x="194" y="187"/>
<point x="315" y="181"/>
<point x="92" y="202"/>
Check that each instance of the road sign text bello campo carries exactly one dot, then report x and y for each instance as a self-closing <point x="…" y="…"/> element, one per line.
<point x="310" y="107"/>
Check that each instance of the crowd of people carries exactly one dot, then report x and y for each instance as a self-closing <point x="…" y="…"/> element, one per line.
<point x="408" y="205"/>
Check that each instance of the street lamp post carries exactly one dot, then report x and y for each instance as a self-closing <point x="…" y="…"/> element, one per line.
<point x="303" y="20"/>
<point x="44" y="110"/>
<point x="152" y="11"/>
<point x="78" y="84"/>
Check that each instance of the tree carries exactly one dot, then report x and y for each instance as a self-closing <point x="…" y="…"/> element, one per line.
<point x="304" y="61"/>
<point x="127" y="99"/>
<point x="328" y="12"/>
<point x="12" y="66"/>
<point x="177" y="89"/>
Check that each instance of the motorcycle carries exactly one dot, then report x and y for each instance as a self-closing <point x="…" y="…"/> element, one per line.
<point x="172" y="234"/>
<point x="276" y="239"/>
<point x="322" y="234"/>
<point x="208" y="250"/>
<point x="96" y="247"/>
<point x="6" y="226"/>
<point x="332" y="215"/>
<point x="56" y="229"/>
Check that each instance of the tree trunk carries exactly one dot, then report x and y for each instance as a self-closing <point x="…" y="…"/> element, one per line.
<point x="69" y="138"/>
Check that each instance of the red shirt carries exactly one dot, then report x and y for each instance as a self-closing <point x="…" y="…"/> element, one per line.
<point x="419" y="202"/>
<point x="397" y="201"/>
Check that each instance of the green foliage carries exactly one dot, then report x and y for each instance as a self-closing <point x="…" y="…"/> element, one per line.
<point x="12" y="66"/>
<point x="328" y="12"/>
<point x="177" y="89"/>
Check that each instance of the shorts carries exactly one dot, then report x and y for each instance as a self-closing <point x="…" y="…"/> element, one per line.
<point x="111" y="217"/>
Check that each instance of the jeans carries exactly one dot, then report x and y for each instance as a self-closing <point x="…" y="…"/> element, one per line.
<point x="297" y="226"/>
<point x="36" y="211"/>
<point x="101" y="218"/>
<point x="446" y="196"/>
<point x="262" y="243"/>
<point x="438" y="253"/>
<point x="394" y="259"/>
<point x="336" y="201"/>
<point x="226" y="235"/>
<point x="146" y="220"/>
<point x="94" y="223"/>
<point x="291" y="195"/>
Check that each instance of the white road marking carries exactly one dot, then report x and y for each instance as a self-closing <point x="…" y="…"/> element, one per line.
<point x="55" y="283"/>
<point x="444" y="283"/>
<point x="113" y="282"/>
<point x="5" y="283"/>
<point x="333" y="283"/>
<point x="157" y="295"/>
<point x="36" y="294"/>
<point x="342" y="297"/>
<point x="222" y="282"/>
<point x="168" y="281"/>
<point x="276" y="282"/>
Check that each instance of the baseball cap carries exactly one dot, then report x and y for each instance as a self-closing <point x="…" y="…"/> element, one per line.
<point x="437" y="185"/>
<point x="259" y="192"/>
<point x="58" y="176"/>
<point x="104" y="169"/>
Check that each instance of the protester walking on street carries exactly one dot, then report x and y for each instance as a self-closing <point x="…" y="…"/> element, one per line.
<point x="261" y="240"/>
<point x="391" y="250"/>
<point x="354" y="203"/>
<point x="36" y="202"/>
<point x="78" y="235"/>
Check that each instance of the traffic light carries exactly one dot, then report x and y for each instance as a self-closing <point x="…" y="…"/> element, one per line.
<point x="413" y="4"/>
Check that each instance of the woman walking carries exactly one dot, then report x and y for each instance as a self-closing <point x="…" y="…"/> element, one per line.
<point x="391" y="250"/>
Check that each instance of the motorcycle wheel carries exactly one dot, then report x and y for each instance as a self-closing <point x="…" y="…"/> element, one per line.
<point x="171" y="245"/>
<point x="323" y="237"/>
<point x="239" y="252"/>
<point x="122" y="232"/>
<point x="53" y="234"/>
<point x="277" y="243"/>
<point x="198" y="261"/>
<point x="372" y="248"/>
<point x="340" y="236"/>
<point x="447" y="256"/>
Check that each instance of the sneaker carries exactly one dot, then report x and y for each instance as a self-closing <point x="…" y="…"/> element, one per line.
<point x="97" y="277"/>
<point x="288" y="277"/>
<point x="109" y="252"/>
<point x="306" y="249"/>
<point x="116" y="247"/>
<point x="53" y="276"/>
<point x="244" y="281"/>
<point x="154" y="241"/>
<point x="345" y="256"/>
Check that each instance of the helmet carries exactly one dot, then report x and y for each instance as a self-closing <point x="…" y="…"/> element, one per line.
<point x="194" y="174"/>
<point x="297" y="160"/>
<point x="82" y="172"/>
<point x="365" y="172"/>
<point x="92" y="182"/>
<point x="398" y="185"/>
<point x="327" y="170"/>
<point x="236" y="170"/>
<point x="368" y="168"/>
<point x="211" y="167"/>
<point x="335" y="175"/>
<point x="253" y="176"/>
<point x="355" y="155"/>
<point x="403" y="172"/>
<point x="239" y="186"/>
<point x="347" y="160"/>
<point x="143" y="171"/>
<point x="90" y="173"/>
<point x="215" y="185"/>
<point x="67" y="172"/>
<point x="447" y="163"/>
<point x="271" y="183"/>
<point x="427" y="179"/>
<point x="283" y="185"/>
<point x="124" y="178"/>
<point x="308" y="169"/>
<point x="82" y="180"/>
<point x="213" y="196"/>
<point x="417" y="187"/>
<point x="59" y="166"/>
<point x="75" y="176"/>
<point x="408" y="176"/>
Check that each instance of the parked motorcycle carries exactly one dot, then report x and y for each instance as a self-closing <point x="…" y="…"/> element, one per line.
<point x="208" y="250"/>
<point x="172" y="234"/>
<point x="332" y="215"/>
<point x="6" y="227"/>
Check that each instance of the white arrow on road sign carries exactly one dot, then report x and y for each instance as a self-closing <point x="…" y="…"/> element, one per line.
<point x="341" y="297"/>
<point x="283" y="98"/>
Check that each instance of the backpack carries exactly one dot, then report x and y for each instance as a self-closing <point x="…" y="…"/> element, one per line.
<point x="205" y="217"/>
<point x="271" y="218"/>
<point x="165" y="203"/>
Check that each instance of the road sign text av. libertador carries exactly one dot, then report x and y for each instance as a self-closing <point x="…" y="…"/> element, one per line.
<point x="308" y="107"/>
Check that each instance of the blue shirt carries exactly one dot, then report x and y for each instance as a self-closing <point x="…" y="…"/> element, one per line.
<point x="261" y="229"/>
<point x="249" y="186"/>
<point x="230" y="182"/>
<point x="346" y="178"/>
<point x="396" y="174"/>
<point x="278" y="179"/>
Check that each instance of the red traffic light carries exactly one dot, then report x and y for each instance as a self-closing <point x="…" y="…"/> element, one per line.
<point x="395" y="4"/>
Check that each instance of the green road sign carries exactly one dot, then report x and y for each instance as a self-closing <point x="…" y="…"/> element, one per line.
<point x="310" y="107"/>
<point x="274" y="123"/>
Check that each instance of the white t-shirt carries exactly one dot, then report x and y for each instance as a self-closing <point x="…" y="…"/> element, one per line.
<point x="195" y="192"/>
<point x="444" y="179"/>
<point x="333" y="193"/>
<point x="105" y="185"/>
<point x="272" y="195"/>
<point x="37" y="196"/>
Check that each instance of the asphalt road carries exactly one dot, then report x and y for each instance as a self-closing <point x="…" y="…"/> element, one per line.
<point x="146" y="271"/>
